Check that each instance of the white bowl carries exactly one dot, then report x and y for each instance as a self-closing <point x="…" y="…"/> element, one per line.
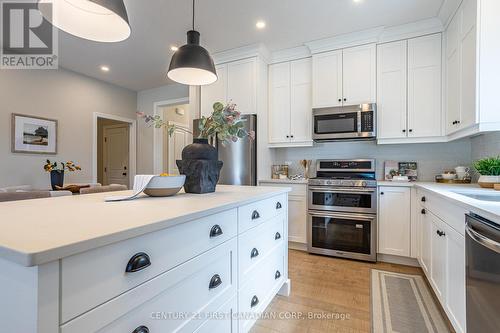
<point x="165" y="186"/>
<point x="448" y="176"/>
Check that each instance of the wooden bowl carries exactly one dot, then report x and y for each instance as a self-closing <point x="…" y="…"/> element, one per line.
<point x="166" y="186"/>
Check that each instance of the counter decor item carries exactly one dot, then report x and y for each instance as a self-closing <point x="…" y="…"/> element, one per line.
<point x="489" y="169"/>
<point x="403" y="179"/>
<point x="440" y="179"/>
<point x="409" y="169"/>
<point x="163" y="185"/>
<point x="306" y="164"/>
<point x="449" y="175"/>
<point x="462" y="172"/>
<point x="279" y="171"/>
<point x="57" y="169"/>
<point x="391" y="169"/>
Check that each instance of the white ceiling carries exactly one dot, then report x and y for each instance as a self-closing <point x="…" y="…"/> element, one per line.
<point x="140" y="62"/>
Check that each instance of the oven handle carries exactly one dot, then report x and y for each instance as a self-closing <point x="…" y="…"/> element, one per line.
<point x="350" y="216"/>
<point x="342" y="190"/>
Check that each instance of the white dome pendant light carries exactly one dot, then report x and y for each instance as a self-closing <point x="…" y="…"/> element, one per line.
<point x="191" y="64"/>
<point x="97" y="20"/>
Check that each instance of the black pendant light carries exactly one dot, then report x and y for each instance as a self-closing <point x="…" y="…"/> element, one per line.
<point x="191" y="64"/>
<point x="96" y="20"/>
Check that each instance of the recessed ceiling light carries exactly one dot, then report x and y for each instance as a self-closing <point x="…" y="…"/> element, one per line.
<point x="357" y="1"/>
<point x="174" y="48"/>
<point x="105" y="68"/>
<point x="260" y="24"/>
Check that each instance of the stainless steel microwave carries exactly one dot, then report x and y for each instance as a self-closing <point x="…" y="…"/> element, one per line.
<point x="355" y="122"/>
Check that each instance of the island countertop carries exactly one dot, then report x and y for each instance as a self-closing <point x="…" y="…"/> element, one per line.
<point x="34" y="232"/>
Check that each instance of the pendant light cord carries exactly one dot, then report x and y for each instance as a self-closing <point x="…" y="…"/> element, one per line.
<point x="193" y="14"/>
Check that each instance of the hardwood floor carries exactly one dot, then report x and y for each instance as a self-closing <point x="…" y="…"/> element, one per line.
<point x="325" y="286"/>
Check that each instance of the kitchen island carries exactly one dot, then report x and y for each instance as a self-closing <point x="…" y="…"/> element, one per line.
<point x="187" y="263"/>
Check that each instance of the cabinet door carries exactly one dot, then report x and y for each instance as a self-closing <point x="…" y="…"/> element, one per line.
<point x="468" y="64"/>
<point x="242" y="85"/>
<point x="394" y="221"/>
<point x="438" y="256"/>
<point x="279" y="103"/>
<point x="297" y="219"/>
<point x="327" y="79"/>
<point x="300" y="101"/>
<point x="424" y="86"/>
<point x="392" y="90"/>
<point x="215" y="92"/>
<point x="359" y="75"/>
<point x="453" y="75"/>
<point x="455" y="278"/>
<point x="425" y="242"/>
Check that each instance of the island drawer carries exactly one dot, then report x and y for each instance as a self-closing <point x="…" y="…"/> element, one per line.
<point x="258" y="212"/>
<point x="94" y="277"/>
<point x="452" y="214"/>
<point x="258" y="292"/>
<point x="256" y="244"/>
<point x="199" y="287"/>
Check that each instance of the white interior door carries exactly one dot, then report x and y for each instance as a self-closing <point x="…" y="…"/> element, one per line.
<point x="116" y="155"/>
<point x="181" y="137"/>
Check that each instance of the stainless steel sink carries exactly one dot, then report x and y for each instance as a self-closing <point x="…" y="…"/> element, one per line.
<point x="491" y="197"/>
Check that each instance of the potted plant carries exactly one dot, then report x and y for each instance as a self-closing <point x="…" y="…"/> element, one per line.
<point x="57" y="172"/>
<point x="489" y="169"/>
<point x="200" y="161"/>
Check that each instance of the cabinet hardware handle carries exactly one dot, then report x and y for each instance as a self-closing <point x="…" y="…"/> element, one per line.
<point x="215" y="231"/>
<point x="254" y="253"/>
<point x="382" y="193"/>
<point x="138" y="262"/>
<point x="278" y="205"/>
<point x="215" y="282"/>
<point x="277" y="275"/>
<point x="345" y="99"/>
<point x="454" y="123"/>
<point x="458" y="121"/>
<point x="141" y="329"/>
<point x="404" y="131"/>
<point x="277" y="236"/>
<point x="255" y="215"/>
<point x="255" y="301"/>
<point x="410" y="130"/>
<point x="288" y="136"/>
<point x="291" y="136"/>
<point x="340" y="99"/>
<point x="423" y="199"/>
<point x="423" y="211"/>
<point x="440" y="233"/>
<point x="124" y="174"/>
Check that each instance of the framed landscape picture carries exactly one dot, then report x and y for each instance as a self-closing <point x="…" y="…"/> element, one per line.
<point x="33" y="135"/>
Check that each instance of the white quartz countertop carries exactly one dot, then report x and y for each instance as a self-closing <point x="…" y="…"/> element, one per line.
<point x="34" y="232"/>
<point x="284" y="181"/>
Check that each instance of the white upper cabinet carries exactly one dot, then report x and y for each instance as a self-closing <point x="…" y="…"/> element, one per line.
<point x="327" y="79"/>
<point x="452" y="75"/>
<point x="236" y="83"/>
<point x="279" y="103"/>
<point x="215" y="92"/>
<point x="242" y="86"/>
<point x="392" y="90"/>
<point x="301" y="101"/>
<point x="359" y="75"/>
<point x="394" y="221"/>
<point x="290" y="108"/>
<point x="424" y="86"/>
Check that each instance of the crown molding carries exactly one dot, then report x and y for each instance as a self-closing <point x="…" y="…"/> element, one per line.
<point x="294" y="53"/>
<point x="249" y="51"/>
<point x="411" y="30"/>
<point x="448" y="9"/>
<point x="345" y="40"/>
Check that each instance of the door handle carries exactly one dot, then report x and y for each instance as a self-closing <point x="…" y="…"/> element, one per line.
<point x="124" y="174"/>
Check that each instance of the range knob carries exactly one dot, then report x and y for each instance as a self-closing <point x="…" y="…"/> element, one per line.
<point x="329" y="182"/>
<point x="364" y="183"/>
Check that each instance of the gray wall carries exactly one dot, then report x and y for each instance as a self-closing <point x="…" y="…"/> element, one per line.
<point x="63" y="95"/>
<point x="431" y="158"/>
<point x="486" y="145"/>
<point x="145" y="103"/>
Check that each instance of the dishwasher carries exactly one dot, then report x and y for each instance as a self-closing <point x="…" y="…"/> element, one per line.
<point x="483" y="274"/>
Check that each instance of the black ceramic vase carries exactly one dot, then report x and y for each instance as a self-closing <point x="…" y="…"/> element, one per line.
<point x="201" y="166"/>
<point x="56" y="179"/>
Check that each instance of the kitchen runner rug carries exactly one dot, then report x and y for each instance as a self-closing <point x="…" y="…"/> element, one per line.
<point x="403" y="303"/>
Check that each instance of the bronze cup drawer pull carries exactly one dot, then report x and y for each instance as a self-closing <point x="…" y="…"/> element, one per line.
<point x="255" y="215"/>
<point x="138" y="262"/>
<point x="255" y="301"/>
<point x="278" y="205"/>
<point x="277" y="275"/>
<point x="216" y="231"/>
<point x="254" y="253"/>
<point x="277" y="236"/>
<point x="215" y="282"/>
<point x="141" y="329"/>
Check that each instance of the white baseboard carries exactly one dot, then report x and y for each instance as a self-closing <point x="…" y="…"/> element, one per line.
<point x="297" y="246"/>
<point x="397" y="260"/>
<point x="285" y="288"/>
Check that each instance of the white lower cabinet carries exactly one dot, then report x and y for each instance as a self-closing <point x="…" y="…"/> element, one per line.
<point x="394" y="221"/>
<point x="442" y="254"/>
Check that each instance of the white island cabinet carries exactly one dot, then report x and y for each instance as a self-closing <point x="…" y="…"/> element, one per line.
<point x="187" y="263"/>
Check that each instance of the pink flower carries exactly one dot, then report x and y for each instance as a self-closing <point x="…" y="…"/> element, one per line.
<point x="140" y="114"/>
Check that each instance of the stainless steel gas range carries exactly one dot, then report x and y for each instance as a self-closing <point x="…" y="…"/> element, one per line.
<point x="342" y="207"/>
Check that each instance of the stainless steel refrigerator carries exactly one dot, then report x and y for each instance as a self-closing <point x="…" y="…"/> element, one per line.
<point x="240" y="158"/>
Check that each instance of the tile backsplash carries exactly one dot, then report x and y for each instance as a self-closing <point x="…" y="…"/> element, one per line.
<point x="432" y="159"/>
<point x="485" y="145"/>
